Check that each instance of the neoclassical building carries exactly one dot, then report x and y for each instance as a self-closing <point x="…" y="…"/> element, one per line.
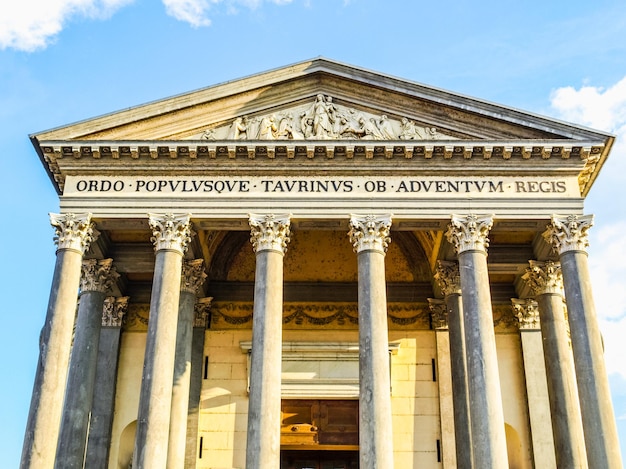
<point x="323" y="267"/>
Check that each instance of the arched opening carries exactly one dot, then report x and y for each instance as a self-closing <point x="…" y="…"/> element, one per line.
<point x="513" y="447"/>
<point x="127" y="446"/>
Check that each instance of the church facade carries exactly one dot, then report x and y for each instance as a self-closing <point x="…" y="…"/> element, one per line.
<point x="321" y="266"/>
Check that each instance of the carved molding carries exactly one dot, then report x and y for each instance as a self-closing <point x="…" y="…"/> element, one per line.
<point x="438" y="313"/>
<point x="113" y="311"/>
<point x="73" y="231"/>
<point x="448" y="277"/>
<point x="526" y="312"/>
<point x="170" y="232"/>
<point x="568" y="233"/>
<point x="97" y="275"/>
<point x="469" y="233"/>
<point x="193" y="276"/>
<point x="544" y="277"/>
<point x="201" y="311"/>
<point x="269" y="232"/>
<point x="295" y="315"/>
<point x="370" y="232"/>
<point x="503" y="318"/>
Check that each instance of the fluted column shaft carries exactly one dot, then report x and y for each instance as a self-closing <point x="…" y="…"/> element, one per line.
<point x="73" y="235"/>
<point x="469" y="236"/>
<point x="450" y="283"/>
<point x="545" y="281"/>
<point x="269" y="237"/>
<point x="102" y="408"/>
<point x="170" y="236"/>
<point x="568" y="236"/>
<point x="192" y="278"/>
<point x="370" y="237"/>
<point x="97" y="277"/>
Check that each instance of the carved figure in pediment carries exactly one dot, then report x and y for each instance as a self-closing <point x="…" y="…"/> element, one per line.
<point x="287" y="129"/>
<point x="208" y="134"/>
<point x="409" y="131"/>
<point x="372" y="132"/>
<point x="239" y="128"/>
<point x="350" y="129"/>
<point x="323" y="114"/>
<point x="267" y="128"/>
<point x="386" y="129"/>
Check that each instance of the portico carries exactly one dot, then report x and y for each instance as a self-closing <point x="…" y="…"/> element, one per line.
<point x="317" y="210"/>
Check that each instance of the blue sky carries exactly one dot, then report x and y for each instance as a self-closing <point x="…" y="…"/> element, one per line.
<point x="66" y="60"/>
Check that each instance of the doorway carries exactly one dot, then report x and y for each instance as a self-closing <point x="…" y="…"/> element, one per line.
<point x="319" y="460"/>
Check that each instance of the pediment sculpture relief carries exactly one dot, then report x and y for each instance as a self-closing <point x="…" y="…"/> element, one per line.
<point x="322" y="120"/>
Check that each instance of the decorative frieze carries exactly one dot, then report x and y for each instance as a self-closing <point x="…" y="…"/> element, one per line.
<point x="269" y="232"/>
<point x="438" y="313"/>
<point x="170" y="232"/>
<point x="569" y="233"/>
<point x="73" y="231"/>
<point x="526" y="312"/>
<point x="201" y="311"/>
<point x="544" y="277"/>
<point x="469" y="233"/>
<point x="370" y="232"/>
<point x="193" y="276"/>
<point x="97" y="275"/>
<point x="114" y="310"/>
<point x="448" y="278"/>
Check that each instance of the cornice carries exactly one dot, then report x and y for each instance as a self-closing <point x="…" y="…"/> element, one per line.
<point x="589" y="153"/>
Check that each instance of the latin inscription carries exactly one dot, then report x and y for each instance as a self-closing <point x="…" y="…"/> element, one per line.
<point x="260" y="186"/>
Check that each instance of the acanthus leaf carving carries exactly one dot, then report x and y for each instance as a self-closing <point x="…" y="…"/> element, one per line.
<point x="370" y="232"/>
<point x="467" y="233"/>
<point x="568" y="233"/>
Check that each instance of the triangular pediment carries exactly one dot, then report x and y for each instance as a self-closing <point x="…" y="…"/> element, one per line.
<point x="322" y="104"/>
<point x="358" y="101"/>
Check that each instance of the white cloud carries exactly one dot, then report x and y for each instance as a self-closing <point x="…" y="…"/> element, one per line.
<point x="605" y="109"/>
<point x="29" y="25"/>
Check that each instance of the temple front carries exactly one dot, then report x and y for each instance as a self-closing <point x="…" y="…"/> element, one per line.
<point x="325" y="267"/>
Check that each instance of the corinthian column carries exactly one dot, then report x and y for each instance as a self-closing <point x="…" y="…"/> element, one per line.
<point x="369" y="236"/>
<point x="526" y="312"/>
<point x="447" y="276"/>
<point x="192" y="279"/>
<point x="568" y="236"/>
<point x="545" y="281"/>
<point x="101" y="421"/>
<point x="96" y="281"/>
<point x="74" y="233"/>
<point x="171" y="234"/>
<point x="469" y="237"/>
<point x="269" y="238"/>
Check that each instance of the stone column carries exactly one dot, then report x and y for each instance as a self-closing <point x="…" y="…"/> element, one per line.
<point x="469" y="237"/>
<point x="171" y="234"/>
<point x="200" y="322"/>
<point x="192" y="279"/>
<point x="269" y="238"/>
<point x="96" y="281"/>
<point x="369" y="236"/>
<point x="447" y="276"/>
<point x="439" y="321"/>
<point x="545" y="281"/>
<point x="527" y="314"/>
<point x="99" y="440"/>
<point x="568" y="236"/>
<point x="73" y="235"/>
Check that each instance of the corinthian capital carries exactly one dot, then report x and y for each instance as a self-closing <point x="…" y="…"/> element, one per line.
<point x="448" y="278"/>
<point x="201" y="312"/>
<point x="544" y="277"/>
<point x="438" y="313"/>
<point x="98" y="275"/>
<point x="193" y="276"/>
<point x="269" y="232"/>
<point x="114" y="310"/>
<point x="170" y="232"/>
<point x="370" y="232"/>
<point x="469" y="233"/>
<point x="73" y="231"/>
<point x="526" y="312"/>
<point x="568" y="233"/>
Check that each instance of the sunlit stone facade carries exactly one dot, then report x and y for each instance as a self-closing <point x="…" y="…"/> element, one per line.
<point x="321" y="267"/>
